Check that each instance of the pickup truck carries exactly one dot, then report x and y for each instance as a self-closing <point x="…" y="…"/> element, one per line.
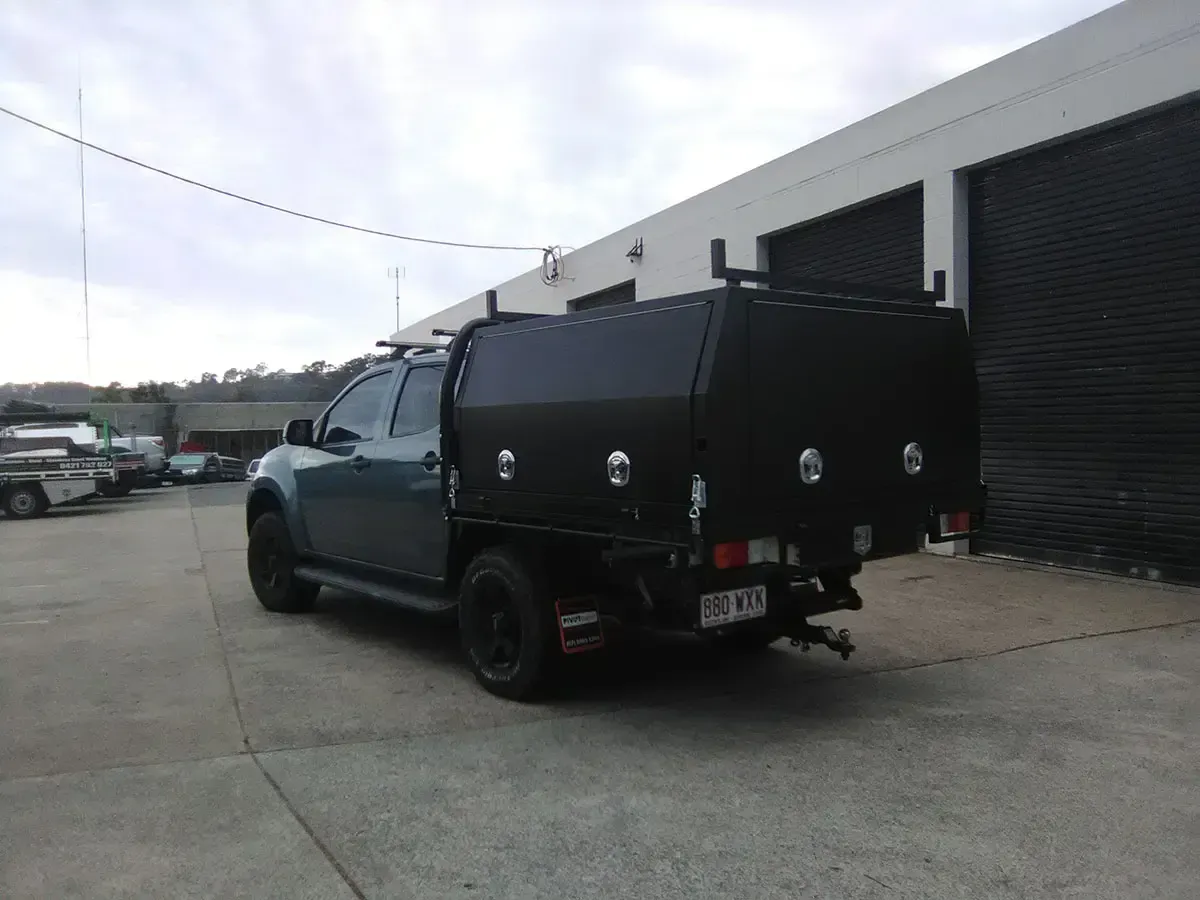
<point x="721" y="462"/>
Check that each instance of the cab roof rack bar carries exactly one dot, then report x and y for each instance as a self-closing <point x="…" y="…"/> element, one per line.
<point x="784" y="282"/>
<point x="411" y="345"/>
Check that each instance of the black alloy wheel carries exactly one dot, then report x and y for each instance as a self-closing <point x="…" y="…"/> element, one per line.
<point x="506" y="622"/>
<point x="271" y="561"/>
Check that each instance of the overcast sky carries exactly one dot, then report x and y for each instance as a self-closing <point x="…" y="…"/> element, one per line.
<point x="492" y="121"/>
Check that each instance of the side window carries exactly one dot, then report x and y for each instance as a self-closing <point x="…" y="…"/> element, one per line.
<point x="417" y="406"/>
<point x="356" y="415"/>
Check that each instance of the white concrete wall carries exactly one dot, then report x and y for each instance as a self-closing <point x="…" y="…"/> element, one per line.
<point x="1135" y="55"/>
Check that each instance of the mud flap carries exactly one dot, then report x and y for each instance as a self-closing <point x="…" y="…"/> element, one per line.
<point x="579" y="626"/>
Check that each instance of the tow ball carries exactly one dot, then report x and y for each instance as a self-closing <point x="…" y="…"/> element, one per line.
<point x="837" y="641"/>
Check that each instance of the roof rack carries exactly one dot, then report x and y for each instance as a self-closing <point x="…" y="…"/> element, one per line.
<point x="785" y="282"/>
<point x="406" y="349"/>
<point x="411" y="345"/>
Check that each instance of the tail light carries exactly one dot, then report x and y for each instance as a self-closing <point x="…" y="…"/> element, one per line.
<point x="955" y="523"/>
<point x="735" y="554"/>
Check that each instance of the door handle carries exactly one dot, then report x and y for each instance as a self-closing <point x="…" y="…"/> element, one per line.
<point x="359" y="463"/>
<point x="431" y="461"/>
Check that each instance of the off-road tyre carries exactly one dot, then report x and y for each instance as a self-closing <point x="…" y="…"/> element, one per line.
<point x="271" y="561"/>
<point x="23" y="501"/>
<point x="506" y="582"/>
<point x="112" y="490"/>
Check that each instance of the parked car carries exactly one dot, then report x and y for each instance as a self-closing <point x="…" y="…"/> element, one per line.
<point x="152" y="445"/>
<point x="203" y="468"/>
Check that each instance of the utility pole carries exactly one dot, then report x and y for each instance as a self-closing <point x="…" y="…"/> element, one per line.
<point x="87" y="327"/>
<point x="397" y="273"/>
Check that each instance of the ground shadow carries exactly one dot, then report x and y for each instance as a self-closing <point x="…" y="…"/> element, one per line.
<point x="637" y="666"/>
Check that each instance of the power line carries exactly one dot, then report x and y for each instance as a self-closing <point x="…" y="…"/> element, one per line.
<point x="280" y="209"/>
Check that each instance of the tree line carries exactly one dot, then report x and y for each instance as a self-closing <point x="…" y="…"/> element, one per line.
<point x="317" y="381"/>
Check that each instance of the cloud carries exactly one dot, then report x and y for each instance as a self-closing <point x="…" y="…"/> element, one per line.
<point x="514" y="121"/>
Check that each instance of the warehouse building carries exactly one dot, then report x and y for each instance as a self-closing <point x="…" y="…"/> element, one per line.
<point x="1059" y="188"/>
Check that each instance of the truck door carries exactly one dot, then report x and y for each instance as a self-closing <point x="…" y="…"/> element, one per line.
<point x="331" y="484"/>
<point x="407" y="528"/>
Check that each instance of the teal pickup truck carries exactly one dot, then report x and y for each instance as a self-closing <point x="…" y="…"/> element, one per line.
<point x="721" y="462"/>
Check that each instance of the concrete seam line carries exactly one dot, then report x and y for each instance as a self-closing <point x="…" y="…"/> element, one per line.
<point x="237" y="706"/>
<point x="237" y="711"/>
<point x="312" y="835"/>
<point x="118" y="767"/>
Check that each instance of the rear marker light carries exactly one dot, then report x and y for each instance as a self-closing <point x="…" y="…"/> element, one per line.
<point x="955" y="523"/>
<point x="732" y="555"/>
<point x="735" y="554"/>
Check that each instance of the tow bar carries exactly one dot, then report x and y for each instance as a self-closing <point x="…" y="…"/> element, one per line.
<point x="837" y="641"/>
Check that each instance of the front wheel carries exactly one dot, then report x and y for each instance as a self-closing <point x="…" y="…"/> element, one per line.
<point x="506" y="623"/>
<point x="271" y="562"/>
<point x="24" y="501"/>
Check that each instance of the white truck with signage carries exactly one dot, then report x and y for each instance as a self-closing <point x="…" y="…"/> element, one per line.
<point x="38" y="473"/>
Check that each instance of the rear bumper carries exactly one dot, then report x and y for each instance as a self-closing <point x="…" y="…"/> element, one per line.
<point x="790" y="597"/>
<point x="851" y="533"/>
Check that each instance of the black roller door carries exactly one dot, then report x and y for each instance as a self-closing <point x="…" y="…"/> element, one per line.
<point x="1085" y="315"/>
<point x="882" y="242"/>
<point x="626" y="292"/>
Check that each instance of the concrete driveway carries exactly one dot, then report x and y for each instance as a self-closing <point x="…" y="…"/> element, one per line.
<point x="1001" y="732"/>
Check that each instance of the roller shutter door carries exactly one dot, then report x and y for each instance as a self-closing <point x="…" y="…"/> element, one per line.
<point x="1085" y="316"/>
<point x="879" y="243"/>
<point x="626" y="292"/>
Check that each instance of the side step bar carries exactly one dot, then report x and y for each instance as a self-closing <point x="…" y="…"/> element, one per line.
<point x="429" y="604"/>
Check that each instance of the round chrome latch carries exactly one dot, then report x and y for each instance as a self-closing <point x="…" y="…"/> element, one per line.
<point x="914" y="458"/>
<point x="618" y="468"/>
<point x="506" y="465"/>
<point x="812" y="466"/>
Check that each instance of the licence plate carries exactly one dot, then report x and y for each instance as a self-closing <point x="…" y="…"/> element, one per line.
<point x="738" y="605"/>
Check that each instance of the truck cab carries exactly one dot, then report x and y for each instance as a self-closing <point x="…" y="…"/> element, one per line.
<point x="365" y="489"/>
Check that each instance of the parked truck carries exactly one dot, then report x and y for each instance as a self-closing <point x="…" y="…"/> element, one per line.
<point x="138" y="461"/>
<point x="37" y="473"/>
<point x="722" y="462"/>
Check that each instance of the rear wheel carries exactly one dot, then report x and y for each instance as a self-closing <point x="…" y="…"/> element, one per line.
<point x="506" y="623"/>
<point x="271" y="562"/>
<point x="115" y="489"/>
<point x="24" y="501"/>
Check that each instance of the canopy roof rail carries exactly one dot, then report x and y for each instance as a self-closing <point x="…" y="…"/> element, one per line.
<point x="785" y="282"/>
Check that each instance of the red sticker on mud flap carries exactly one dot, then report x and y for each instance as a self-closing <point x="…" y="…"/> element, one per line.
<point x="579" y="625"/>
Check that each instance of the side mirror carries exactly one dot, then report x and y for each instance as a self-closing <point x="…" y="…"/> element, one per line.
<point x="298" y="432"/>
